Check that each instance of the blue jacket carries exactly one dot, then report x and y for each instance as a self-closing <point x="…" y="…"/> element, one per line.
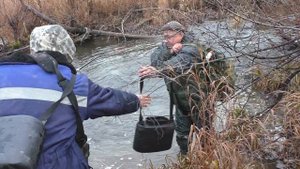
<point x="25" y="88"/>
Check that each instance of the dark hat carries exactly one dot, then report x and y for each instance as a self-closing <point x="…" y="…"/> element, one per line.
<point x="173" y="25"/>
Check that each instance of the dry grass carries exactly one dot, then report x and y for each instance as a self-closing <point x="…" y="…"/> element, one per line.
<point x="246" y="139"/>
<point x="267" y="83"/>
<point x="112" y="15"/>
<point x="228" y="150"/>
<point x="272" y="80"/>
<point x="291" y="128"/>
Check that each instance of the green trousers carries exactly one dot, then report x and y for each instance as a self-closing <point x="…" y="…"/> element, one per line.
<point x="183" y="124"/>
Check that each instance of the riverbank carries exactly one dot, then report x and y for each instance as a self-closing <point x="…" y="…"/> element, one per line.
<point x="113" y="18"/>
<point x="137" y="17"/>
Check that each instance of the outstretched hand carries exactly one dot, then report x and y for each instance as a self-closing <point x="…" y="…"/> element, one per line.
<point x="147" y="71"/>
<point x="145" y="100"/>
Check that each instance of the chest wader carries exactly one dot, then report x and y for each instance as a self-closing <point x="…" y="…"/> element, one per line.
<point x="183" y="117"/>
<point x="188" y="109"/>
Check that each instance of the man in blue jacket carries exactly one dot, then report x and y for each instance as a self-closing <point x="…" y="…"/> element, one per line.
<point x="25" y="88"/>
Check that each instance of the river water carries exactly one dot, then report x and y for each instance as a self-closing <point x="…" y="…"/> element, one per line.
<point x="114" y="64"/>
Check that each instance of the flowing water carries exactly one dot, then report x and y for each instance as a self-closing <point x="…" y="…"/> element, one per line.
<point x="111" y="138"/>
<point x="115" y="64"/>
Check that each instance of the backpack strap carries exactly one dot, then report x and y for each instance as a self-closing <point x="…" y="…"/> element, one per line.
<point x="49" y="64"/>
<point x="44" y="117"/>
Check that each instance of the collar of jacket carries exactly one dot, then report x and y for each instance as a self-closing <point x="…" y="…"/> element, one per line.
<point x="188" y="37"/>
<point x="25" y="58"/>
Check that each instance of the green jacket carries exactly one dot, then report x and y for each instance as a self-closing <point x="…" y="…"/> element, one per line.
<point x="175" y="69"/>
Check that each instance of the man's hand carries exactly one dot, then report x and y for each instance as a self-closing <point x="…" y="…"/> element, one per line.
<point x="176" y="48"/>
<point x="146" y="71"/>
<point x="144" y="100"/>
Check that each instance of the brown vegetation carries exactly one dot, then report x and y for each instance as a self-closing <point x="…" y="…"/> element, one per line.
<point x="248" y="138"/>
<point x="274" y="132"/>
<point x="252" y="139"/>
<point x="128" y="16"/>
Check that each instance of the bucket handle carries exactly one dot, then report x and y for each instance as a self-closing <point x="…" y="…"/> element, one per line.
<point x="171" y="101"/>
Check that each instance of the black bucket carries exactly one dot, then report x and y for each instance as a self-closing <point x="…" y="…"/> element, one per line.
<point x="154" y="133"/>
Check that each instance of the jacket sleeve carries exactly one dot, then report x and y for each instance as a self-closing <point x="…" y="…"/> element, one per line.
<point x="109" y="102"/>
<point x="159" y="55"/>
<point x="178" y="63"/>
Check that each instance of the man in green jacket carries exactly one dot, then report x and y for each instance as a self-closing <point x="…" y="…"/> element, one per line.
<point x="173" y="59"/>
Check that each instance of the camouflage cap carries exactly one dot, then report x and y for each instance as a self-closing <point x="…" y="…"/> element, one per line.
<point x="173" y="25"/>
<point x="52" y="38"/>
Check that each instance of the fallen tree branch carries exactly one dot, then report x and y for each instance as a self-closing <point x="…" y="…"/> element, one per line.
<point x="82" y="30"/>
<point x="13" y="51"/>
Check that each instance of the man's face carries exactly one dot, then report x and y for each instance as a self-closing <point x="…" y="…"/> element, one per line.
<point x="172" y="37"/>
